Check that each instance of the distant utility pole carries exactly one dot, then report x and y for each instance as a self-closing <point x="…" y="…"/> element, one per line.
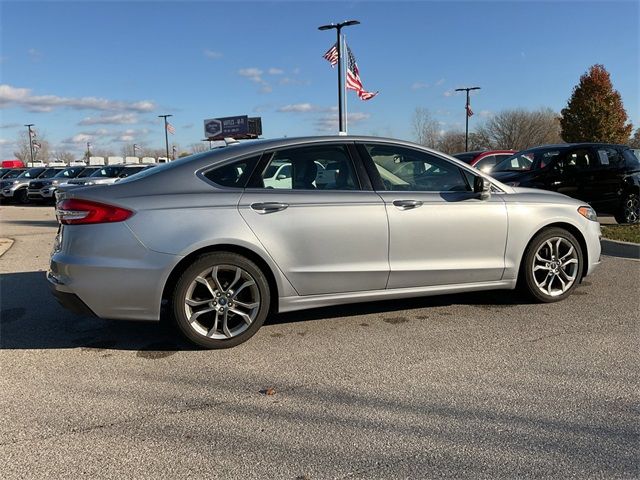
<point x="88" y="151"/>
<point x="135" y="148"/>
<point x="468" y="113"/>
<point x="29" y="125"/>
<point x="166" y="133"/>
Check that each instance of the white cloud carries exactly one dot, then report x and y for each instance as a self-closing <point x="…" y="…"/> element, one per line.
<point x="485" y="113"/>
<point x="299" y="108"/>
<point x="35" y="55"/>
<point x="449" y="93"/>
<point x="439" y="82"/>
<point x="212" y="54"/>
<point x="16" y="96"/>
<point x="252" y="73"/>
<point x="293" y="81"/>
<point x="275" y="71"/>
<point x="419" y="85"/>
<point x="4" y="142"/>
<point x="266" y="88"/>
<point x="115" y="119"/>
<point x="329" y="122"/>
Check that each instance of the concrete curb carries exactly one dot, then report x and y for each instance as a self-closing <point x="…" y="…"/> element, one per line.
<point x="616" y="248"/>
<point x="5" y="245"/>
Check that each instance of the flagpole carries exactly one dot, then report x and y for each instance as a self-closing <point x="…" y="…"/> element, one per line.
<point x="467" y="109"/>
<point x="29" y="125"/>
<point x="344" y="91"/>
<point x="342" y="130"/>
<point x="166" y="134"/>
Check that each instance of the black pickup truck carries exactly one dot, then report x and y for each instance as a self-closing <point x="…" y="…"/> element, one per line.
<point x="606" y="176"/>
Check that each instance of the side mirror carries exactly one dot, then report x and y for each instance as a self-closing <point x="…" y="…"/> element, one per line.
<point x="282" y="176"/>
<point x="482" y="186"/>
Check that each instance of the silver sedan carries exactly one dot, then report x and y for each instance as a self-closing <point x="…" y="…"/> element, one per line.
<point x="357" y="219"/>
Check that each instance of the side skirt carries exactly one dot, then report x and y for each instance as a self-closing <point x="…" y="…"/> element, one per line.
<point x="289" y="304"/>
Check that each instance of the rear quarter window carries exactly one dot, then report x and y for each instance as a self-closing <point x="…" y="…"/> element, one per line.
<point x="233" y="175"/>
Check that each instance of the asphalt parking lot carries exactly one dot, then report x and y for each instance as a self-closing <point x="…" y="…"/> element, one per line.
<point x="462" y="386"/>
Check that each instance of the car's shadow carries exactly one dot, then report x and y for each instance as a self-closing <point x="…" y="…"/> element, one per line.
<point x="31" y="318"/>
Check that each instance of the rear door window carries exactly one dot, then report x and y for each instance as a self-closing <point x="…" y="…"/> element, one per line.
<point x="233" y="175"/>
<point x="609" y="157"/>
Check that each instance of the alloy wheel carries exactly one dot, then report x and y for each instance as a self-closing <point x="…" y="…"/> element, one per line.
<point x="222" y="302"/>
<point x="632" y="209"/>
<point x="555" y="266"/>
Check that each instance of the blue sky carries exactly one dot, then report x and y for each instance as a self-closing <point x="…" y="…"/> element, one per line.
<point x="103" y="71"/>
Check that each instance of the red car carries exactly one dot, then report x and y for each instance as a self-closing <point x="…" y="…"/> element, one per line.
<point x="484" y="160"/>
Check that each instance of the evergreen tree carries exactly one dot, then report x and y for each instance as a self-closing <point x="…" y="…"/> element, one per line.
<point x="595" y="112"/>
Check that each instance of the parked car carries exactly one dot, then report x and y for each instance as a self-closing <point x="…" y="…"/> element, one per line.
<point x="484" y="160"/>
<point x="204" y="236"/>
<point x="16" y="188"/>
<point x="102" y="175"/>
<point x="605" y="176"/>
<point x="43" y="189"/>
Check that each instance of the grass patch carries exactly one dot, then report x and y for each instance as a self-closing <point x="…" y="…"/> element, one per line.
<point x="625" y="233"/>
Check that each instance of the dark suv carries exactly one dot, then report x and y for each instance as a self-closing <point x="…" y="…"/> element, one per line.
<point x="604" y="175"/>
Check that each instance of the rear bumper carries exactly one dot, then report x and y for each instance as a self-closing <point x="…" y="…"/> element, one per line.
<point x="68" y="300"/>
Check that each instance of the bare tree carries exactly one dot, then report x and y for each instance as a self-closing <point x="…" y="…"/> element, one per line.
<point x="198" y="147"/>
<point x="23" y="151"/>
<point x="451" y="142"/>
<point x="519" y="129"/>
<point x="63" y="156"/>
<point x="425" y="128"/>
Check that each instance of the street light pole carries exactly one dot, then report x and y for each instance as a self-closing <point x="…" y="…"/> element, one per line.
<point x="88" y="151"/>
<point x="466" y="115"/>
<point x="166" y="133"/>
<point x="29" y="125"/>
<point x="338" y="26"/>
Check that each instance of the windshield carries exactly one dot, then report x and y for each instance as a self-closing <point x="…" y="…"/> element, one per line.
<point x="13" y="174"/>
<point x="127" y="172"/>
<point x="49" y="172"/>
<point x="466" y="157"/>
<point x="107" y="172"/>
<point x="31" y="173"/>
<point x="527" y="160"/>
<point x="68" y="172"/>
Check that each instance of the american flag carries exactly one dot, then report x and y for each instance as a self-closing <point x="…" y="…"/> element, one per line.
<point x="32" y="133"/>
<point x="353" y="78"/>
<point x="332" y="55"/>
<point x="469" y="111"/>
<point x="36" y="145"/>
<point x="171" y="129"/>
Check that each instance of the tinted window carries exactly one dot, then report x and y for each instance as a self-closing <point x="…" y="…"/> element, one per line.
<point x="632" y="160"/>
<point x="527" y="160"/>
<point x="406" y="169"/>
<point x="69" y="172"/>
<point x="324" y="167"/>
<point x="609" y="157"/>
<point x="13" y="174"/>
<point x="127" y="172"/>
<point x="107" y="172"/>
<point x="32" y="173"/>
<point x="577" y="160"/>
<point x="87" y="172"/>
<point x="233" y="175"/>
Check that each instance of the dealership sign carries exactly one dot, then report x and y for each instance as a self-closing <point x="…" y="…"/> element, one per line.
<point x="240" y="127"/>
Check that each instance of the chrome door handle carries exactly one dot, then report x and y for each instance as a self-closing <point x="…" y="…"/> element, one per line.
<point x="407" y="204"/>
<point x="268" y="207"/>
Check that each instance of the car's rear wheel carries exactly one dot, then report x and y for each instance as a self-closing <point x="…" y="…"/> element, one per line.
<point x="629" y="209"/>
<point x="552" y="265"/>
<point x="221" y="300"/>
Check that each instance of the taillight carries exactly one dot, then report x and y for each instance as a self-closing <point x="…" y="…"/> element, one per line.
<point x="74" y="211"/>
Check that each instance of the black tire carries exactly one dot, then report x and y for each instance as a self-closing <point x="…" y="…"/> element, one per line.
<point x="22" y="196"/>
<point x="226" y="261"/>
<point x="527" y="279"/>
<point x="629" y="211"/>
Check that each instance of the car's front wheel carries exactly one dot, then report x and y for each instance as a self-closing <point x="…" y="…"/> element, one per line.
<point x="552" y="265"/>
<point x="22" y="197"/>
<point x="629" y="209"/>
<point x="221" y="300"/>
